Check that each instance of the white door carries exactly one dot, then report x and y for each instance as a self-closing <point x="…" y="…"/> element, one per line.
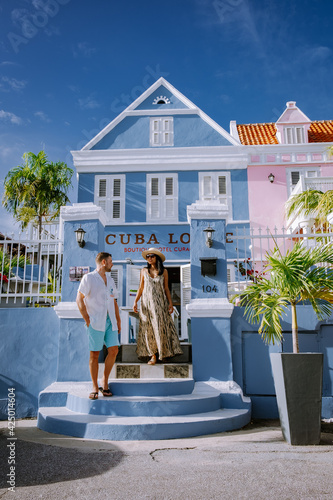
<point x="185" y="287"/>
<point x="132" y="283"/>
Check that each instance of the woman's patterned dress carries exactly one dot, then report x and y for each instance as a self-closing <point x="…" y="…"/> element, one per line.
<point x="157" y="332"/>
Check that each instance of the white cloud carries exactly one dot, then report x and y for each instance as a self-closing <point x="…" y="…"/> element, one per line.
<point x="83" y="49"/>
<point x="12" y="83"/>
<point x="42" y="116"/>
<point x="7" y="116"/>
<point x="88" y="103"/>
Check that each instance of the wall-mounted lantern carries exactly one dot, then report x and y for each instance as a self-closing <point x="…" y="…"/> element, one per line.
<point x="209" y="236"/>
<point x="271" y="178"/>
<point x="79" y="233"/>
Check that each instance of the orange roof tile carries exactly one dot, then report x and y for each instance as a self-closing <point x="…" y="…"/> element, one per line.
<point x="257" y="133"/>
<point x="321" y="131"/>
<point x="265" y="133"/>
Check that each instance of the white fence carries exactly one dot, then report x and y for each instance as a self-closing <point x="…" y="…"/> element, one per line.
<point x="249" y="246"/>
<point x="30" y="271"/>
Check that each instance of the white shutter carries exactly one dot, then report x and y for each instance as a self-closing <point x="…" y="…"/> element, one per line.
<point x="116" y="187"/>
<point x="154" y="186"/>
<point x="222" y="187"/>
<point x="185" y="290"/>
<point x="132" y="284"/>
<point x="161" y="131"/>
<point x="299" y="135"/>
<point x="110" y="196"/>
<point x="116" y="209"/>
<point x="207" y="186"/>
<point x="155" y="208"/>
<point x="162" y="197"/>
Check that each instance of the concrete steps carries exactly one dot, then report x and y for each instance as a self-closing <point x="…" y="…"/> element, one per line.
<point x="143" y="409"/>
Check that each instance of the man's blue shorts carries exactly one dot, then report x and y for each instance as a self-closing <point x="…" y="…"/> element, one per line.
<point x="97" y="338"/>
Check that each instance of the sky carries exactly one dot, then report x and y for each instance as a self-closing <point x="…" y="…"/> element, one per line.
<point x="69" y="67"/>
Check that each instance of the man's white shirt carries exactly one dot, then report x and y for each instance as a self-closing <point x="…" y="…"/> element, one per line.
<point x="99" y="299"/>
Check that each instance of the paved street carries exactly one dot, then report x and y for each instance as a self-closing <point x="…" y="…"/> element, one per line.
<point x="251" y="463"/>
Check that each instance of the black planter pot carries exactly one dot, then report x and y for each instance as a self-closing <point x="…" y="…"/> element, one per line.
<point x="298" y="380"/>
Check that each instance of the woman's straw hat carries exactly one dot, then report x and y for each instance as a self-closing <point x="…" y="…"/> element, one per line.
<point x="155" y="251"/>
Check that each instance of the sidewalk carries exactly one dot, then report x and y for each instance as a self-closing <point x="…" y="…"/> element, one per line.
<point x="253" y="463"/>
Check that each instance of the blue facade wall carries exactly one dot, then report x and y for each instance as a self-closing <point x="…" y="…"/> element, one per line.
<point x="188" y="189"/>
<point x="133" y="132"/>
<point x="239" y="190"/>
<point x="85" y="192"/>
<point x="29" y="356"/>
<point x="135" y="207"/>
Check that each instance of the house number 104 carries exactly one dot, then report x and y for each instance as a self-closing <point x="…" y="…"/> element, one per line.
<point x="209" y="289"/>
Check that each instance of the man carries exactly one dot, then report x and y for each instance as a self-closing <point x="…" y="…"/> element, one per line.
<point x="99" y="309"/>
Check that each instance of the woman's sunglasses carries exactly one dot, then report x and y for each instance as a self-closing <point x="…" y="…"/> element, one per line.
<point x="150" y="256"/>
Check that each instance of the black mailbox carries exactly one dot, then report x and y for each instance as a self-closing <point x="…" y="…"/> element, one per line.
<point x="208" y="266"/>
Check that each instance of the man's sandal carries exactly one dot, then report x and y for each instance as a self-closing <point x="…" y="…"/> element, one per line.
<point x="93" y="395"/>
<point x="106" y="392"/>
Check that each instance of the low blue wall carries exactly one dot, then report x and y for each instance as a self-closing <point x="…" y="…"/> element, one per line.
<point x="37" y="349"/>
<point x="29" y="345"/>
<point x="251" y="361"/>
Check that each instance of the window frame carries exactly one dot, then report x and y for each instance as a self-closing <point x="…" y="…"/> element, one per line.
<point x="110" y="198"/>
<point x="293" y="132"/>
<point x="303" y="171"/>
<point x="161" y="197"/>
<point x="157" y="136"/>
<point x="215" y="196"/>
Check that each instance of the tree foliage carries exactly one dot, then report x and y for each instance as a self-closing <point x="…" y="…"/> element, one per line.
<point x="36" y="190"/>
<point x="296" y="277"/>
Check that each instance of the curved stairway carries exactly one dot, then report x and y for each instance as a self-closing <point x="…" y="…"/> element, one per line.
<point x="142" y="409"/>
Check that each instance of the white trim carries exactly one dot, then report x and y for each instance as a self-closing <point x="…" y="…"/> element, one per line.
<point x="207" y="210"/>
<point x="67" y="310"/>
<point x="144" y="96"/>
<point x="210" y="308"/>
<point x="303" y="171"/>
<point x="159" y="159"/>
<point x="83" y="211"/>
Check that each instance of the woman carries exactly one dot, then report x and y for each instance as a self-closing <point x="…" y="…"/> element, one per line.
<point x="157" y="333"/>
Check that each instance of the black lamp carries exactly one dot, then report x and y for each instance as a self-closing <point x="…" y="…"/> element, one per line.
<point x="209" y="236"/>
<point x="79" y="233"/>
<point x="271" y="178"/>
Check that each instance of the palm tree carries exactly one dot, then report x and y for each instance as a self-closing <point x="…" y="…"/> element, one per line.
<point x="294" y="278"/>
<point x="36" y="190"/>
<point x="313" y="202"/>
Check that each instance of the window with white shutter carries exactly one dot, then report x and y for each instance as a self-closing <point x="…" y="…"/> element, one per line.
<point x="162" y="197"/>
<point x="216" y="186"/>
<point x="161" y="131"/>
<point x="294" y="175"/>
<point x="110" y="196"/>
<point x="294" y="135"/>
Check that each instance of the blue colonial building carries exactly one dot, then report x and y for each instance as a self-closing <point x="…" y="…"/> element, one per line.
<point x="144" y="176"/>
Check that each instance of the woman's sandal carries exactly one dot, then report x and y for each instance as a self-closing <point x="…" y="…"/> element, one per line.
<point x="93" y="395"/>
<point x="106" y="392"/>
<point x="152" y="361"/>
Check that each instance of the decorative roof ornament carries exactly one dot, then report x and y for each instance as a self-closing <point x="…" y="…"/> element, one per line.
<point x="161" y="100"/>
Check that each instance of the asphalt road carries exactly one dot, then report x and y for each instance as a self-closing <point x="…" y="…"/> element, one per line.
<point x="253" y="463"/>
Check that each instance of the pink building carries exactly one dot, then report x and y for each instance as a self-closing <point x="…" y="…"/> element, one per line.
<point x="285" y="157"/>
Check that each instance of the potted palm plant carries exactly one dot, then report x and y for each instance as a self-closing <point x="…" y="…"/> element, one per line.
<point x="302" y="274"/>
